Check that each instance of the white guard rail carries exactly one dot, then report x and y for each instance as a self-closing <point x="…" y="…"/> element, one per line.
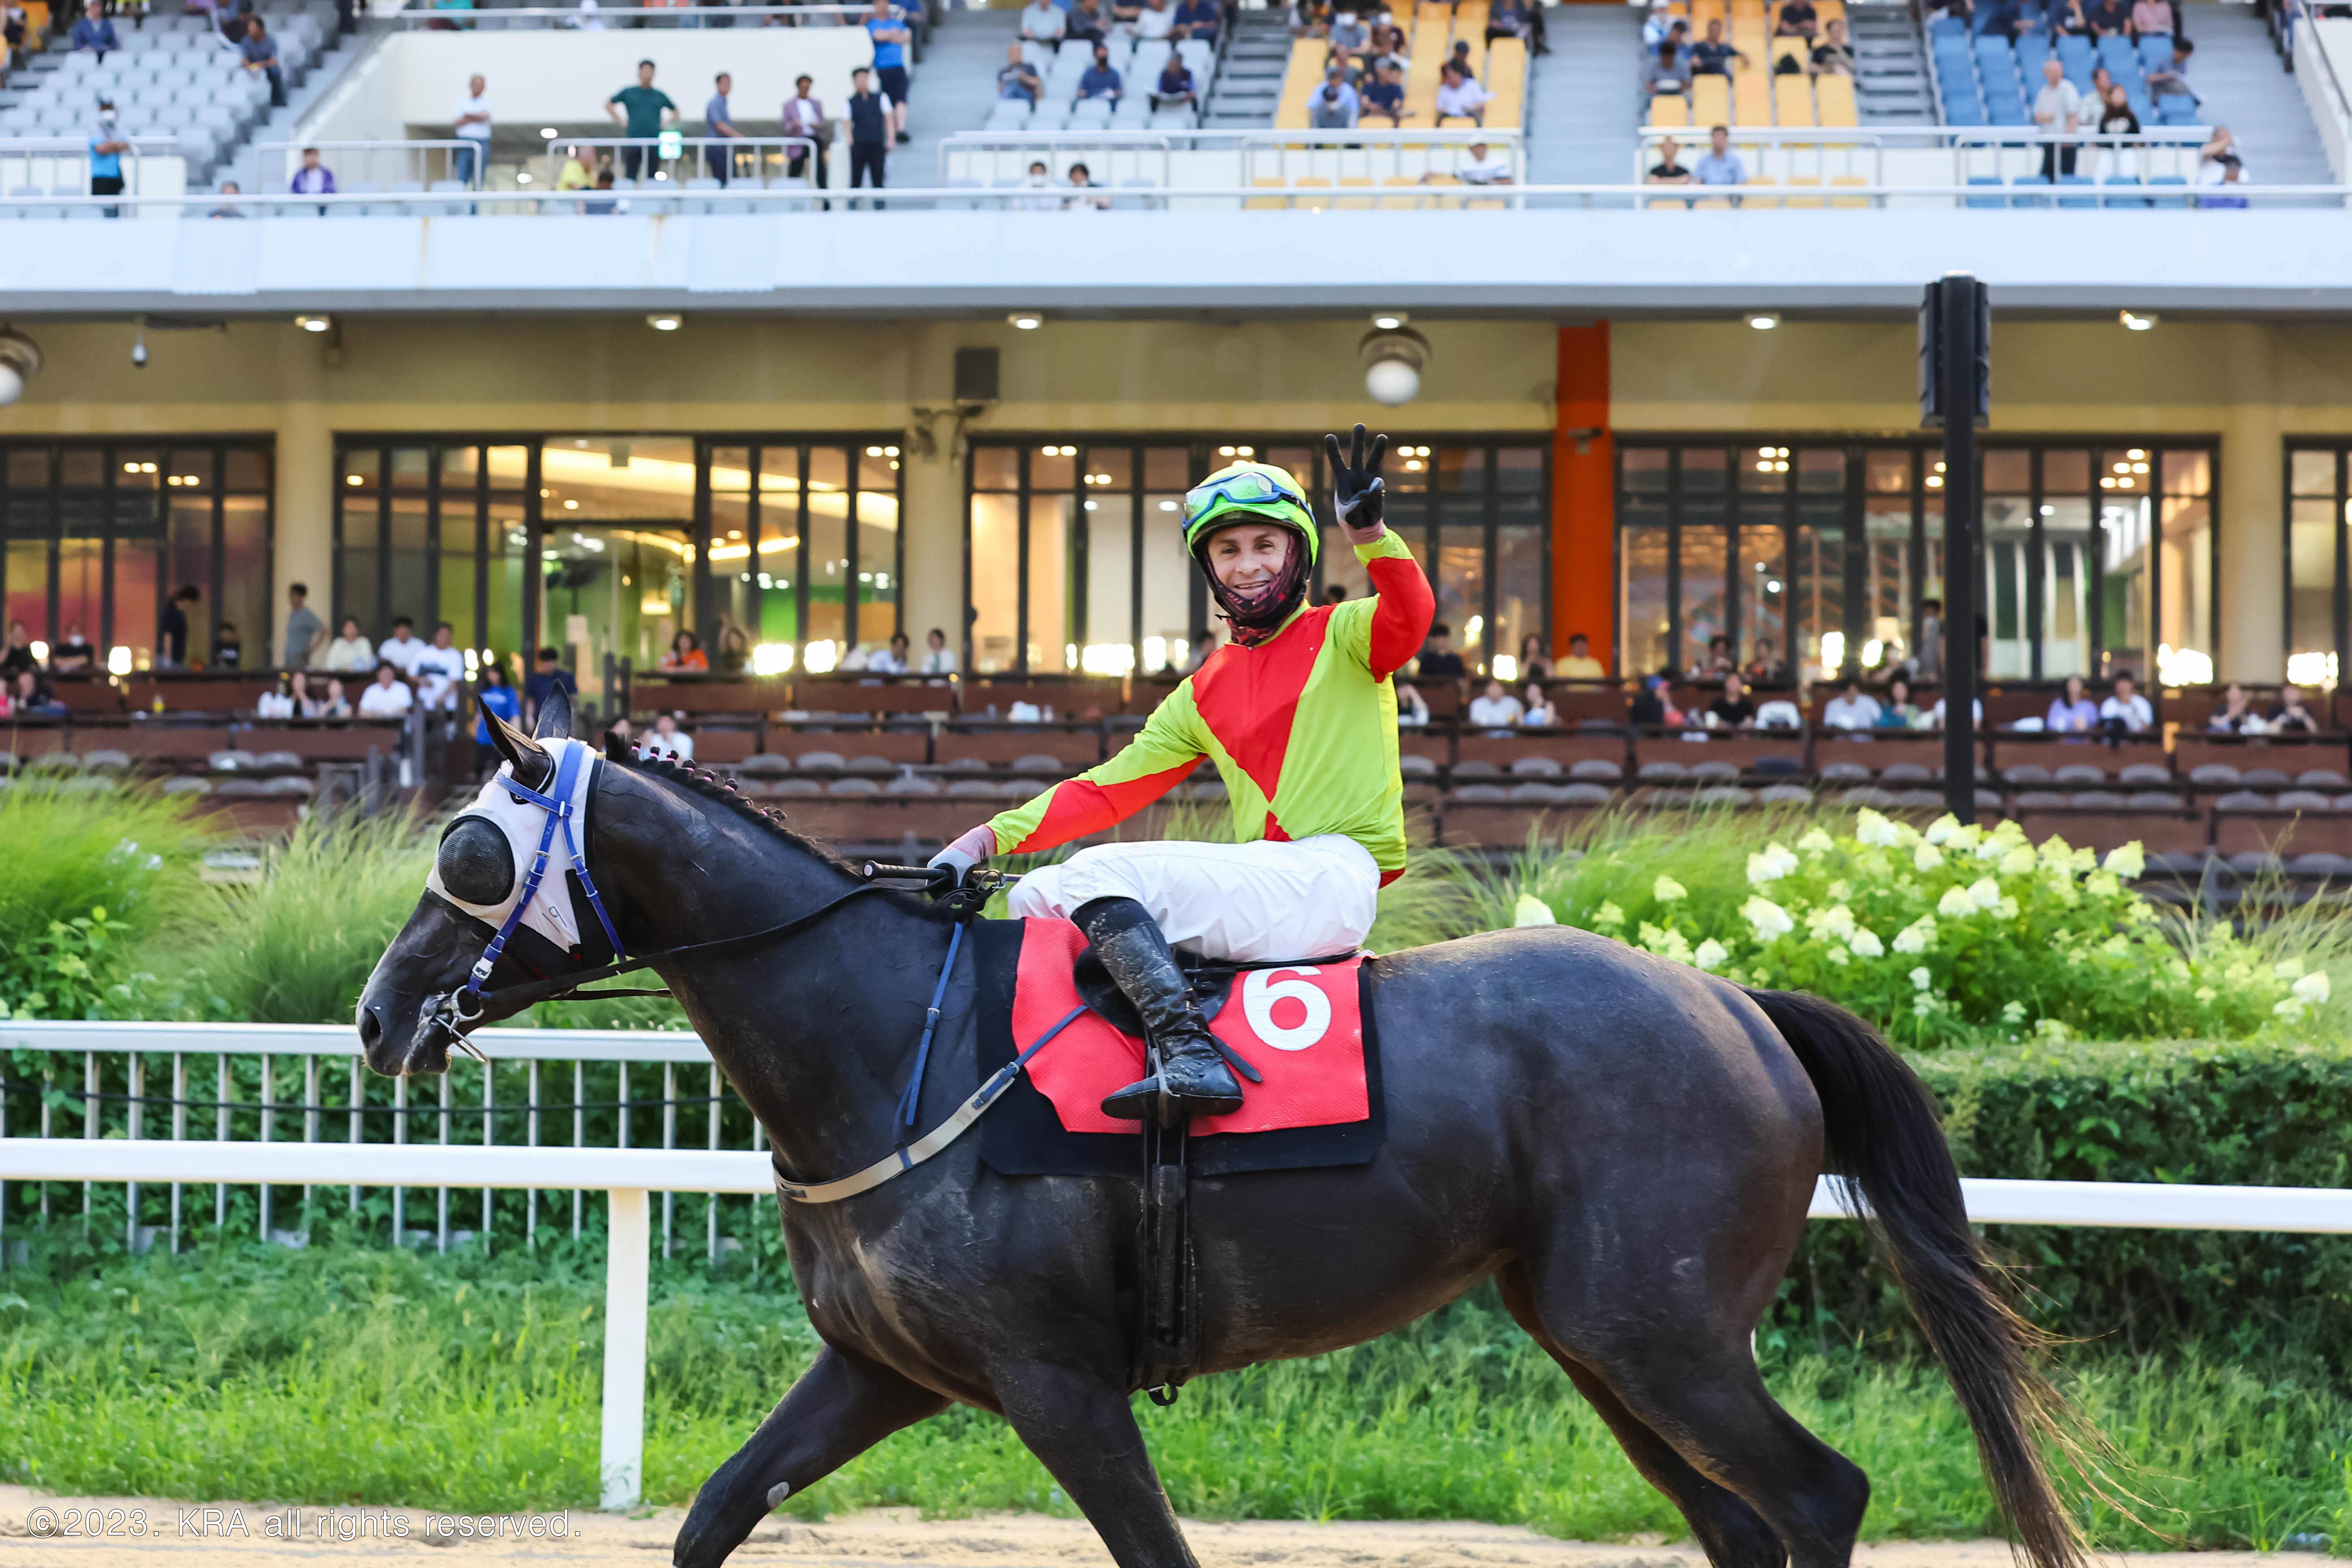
<point x="381" y="164"/>
<point x="1201" y="160"/>
<point x="1924" y="155"/>
<point x="597" y="18"/>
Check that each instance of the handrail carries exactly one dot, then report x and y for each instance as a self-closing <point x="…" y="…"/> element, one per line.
<point x="605" y="17"/>
<point x="2313" y="38"/>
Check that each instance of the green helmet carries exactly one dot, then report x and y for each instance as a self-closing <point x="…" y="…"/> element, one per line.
<point x="1244" y="492"/>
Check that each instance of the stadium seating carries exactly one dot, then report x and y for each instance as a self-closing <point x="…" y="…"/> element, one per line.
<point x="1757" y="96"/>
<point x="1430" y="33"/>
<point x="1139" y="64"/>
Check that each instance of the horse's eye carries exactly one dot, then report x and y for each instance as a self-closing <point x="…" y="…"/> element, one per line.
<point x="475" y="863"/>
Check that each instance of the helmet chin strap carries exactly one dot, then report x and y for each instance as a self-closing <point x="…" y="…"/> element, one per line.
<point x="1257" y="615"/>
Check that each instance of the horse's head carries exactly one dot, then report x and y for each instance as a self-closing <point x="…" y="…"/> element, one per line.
<point x="431" y="983"/>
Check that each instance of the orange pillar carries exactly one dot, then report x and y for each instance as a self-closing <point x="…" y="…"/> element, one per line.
<point x="1584" y="497"/>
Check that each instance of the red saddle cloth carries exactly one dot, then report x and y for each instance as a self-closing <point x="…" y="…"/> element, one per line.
<point x="1301" y="1025"/>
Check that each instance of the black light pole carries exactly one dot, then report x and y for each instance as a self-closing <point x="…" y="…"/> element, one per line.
<point x="1955" y="333"/>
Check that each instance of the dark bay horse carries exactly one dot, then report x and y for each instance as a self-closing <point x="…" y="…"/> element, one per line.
<point x="1627" y="1145"/>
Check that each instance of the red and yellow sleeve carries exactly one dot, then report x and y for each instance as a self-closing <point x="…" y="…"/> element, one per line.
<point x="1165" y="750"/>
<point x="1385" y="631"/>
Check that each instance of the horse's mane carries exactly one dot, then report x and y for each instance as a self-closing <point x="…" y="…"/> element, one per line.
<point x="709" y="787"/>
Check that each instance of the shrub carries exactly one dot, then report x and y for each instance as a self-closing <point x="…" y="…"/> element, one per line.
<point x="86" y="879"/>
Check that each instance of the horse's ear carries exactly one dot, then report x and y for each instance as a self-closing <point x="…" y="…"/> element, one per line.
<point x="530" y="762"/>
<point x="554" y="716"/>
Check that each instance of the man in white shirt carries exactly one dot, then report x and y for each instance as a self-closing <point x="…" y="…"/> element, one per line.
<point x="441" y="670"/>
<point x="1494" y="706"/>
<point x="2126" y="712"/>
<point x="1154" y="21"/>
<point x="1849" y="709"/>
<point x="2057" y="110"/>
<point x="666" y="740"/>
<point x="403" y="648"/>
<point x="1043" y="22"/>
<point x="1460" y="98"/>
<point x="1484" y="167"/>
<point x="473" y="119"/>
<point x="938" y="657"/>
<point x="385" y="696"/>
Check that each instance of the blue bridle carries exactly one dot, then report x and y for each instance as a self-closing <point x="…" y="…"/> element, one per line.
<point x="559" y="810"/>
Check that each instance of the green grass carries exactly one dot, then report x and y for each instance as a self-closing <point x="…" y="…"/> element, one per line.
<point x="343" y="1374"/>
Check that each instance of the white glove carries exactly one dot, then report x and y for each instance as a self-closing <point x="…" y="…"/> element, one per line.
<point x="967" y="852"/>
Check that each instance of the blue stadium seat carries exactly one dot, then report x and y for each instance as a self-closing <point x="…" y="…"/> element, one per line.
<point x="2179" y="201"/>
<point x="2031" y="50"/>
<point x="1993" y="180"/>
<point x="2155" y="50"/>
<point x="2075" y="201"/>
<point x="2130" y="180"/>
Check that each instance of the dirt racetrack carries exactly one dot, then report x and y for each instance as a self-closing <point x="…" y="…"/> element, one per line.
<point x="229" y="1535"/>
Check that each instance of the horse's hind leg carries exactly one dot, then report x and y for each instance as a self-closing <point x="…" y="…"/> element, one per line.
<point x="1082" y="1428"/>
<point x="841" y="1406"/>
<point x="1733" y="1534"/>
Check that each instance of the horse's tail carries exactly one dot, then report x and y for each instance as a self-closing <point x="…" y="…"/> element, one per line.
<point x="1882" y="1133"/>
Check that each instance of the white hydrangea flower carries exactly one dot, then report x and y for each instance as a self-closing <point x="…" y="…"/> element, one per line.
<point x="1710" y="955"/>
<point x="1865" y="943"/>
<point x="1921" y="979"/>
<point x="1772" y="864"/>
<point x="1837" y="920"/>
<point x="2102" y="885"/>
<point x="1926" y="857"/>
<point x="1531" y="911"/>
<point x="1968" y="836"/>
<point x="1873" y="829"/>
<point x="1667" y="890"/>
<point x="1917" y="937"/>
<point x="2057" y="853"/>
<point x="1837" y="956"/>
<point x="2016" y="862"/>
<point x="2012" y="1013"/>
<point x="2126" y="862"/>
<point x="1955" y="904"/>
<point x="2288" y="968"/>
<point x="2007" y="908"/>
<point x="1816" y="842"/>
<point x="2313" y="988"/>
<point x="1607" y="915"/>
<point x="1940" y="831"/>
<point x="1767" y="919"/>
<point x="1985" y="893"/>
<point x="2287" y="1007"/>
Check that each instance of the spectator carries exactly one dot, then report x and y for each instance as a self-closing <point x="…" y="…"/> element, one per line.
<point x="172" y="628"/>
<point x="472" y="126"/>
<point x="1018" y="81"/>
<point x="1412" y="709"/>
<point x="1438" y="659"/>
<point x="303" y="628"/>
<point x="666" y="740"/>
<point x="1382" y="94"/>
<point x="1649" y="705"/>
<point x="804" y="117"/>
<point x="607" y="206"/>
<point x="1764" y="667"/>
<point x="890" y="37"/>
<point x="2072" y="20"/>
<point x="1667" y="74"/>
<point x="578" y="172"/>
<point x="1898" y="711"/>
<point x="1175" y="87"/>
<point x="228" y="208"/>
<point x="385" y="696"/>
<point x="1336" y="106"/>
<point x="2115" y="117"/>
<point x="2227" y="171"/>
<point x="2057" y="112"/>
<point x="719" y="121"/>
<point x="107" y="145"/>
<point x="641" y="110"/>
<point x="1495" y="708"/>
<point x="2214" y="159"/>
<point x="2236" y="709"/>
<point x="891" y="660"/>
<point x="351" y="650"/>
<point x="1518" y="19"/>
<point x="1100" y="80"/>
<point x="870" y="130"/>
<point x="544" y="682"/>
<point x="1669" y="170"/>
<point x="94" y="33"/>
<point x="1459" y="59"/>
<point x="938" y="657"/>
<point x="1579" y="664"/>
<point x="1484" y="166"/>
<point x="228" y="649"/>
<point x="1040" y="178"/>
<point x="1659" y="24"/>
<point x="1459" y="97"/>
<point x="1850" y="708"/>
<point x="2071" y="712"/>
<point x="1935" y="714"/>
<point x="74" y="655"/>
<point x="2110" y="16"/>
<point x="335" y="704"/>
<point x="2291" y="714"/>
<point x="1798" y="19"/>
<point x="1085" y="24"/>
<point x="1711" y="56"/>
<point x="2127" y="713"/>
<point x="1043" y="22"/>
<point x="2151" y="17"/>
<point x="232" y="27"/>
<point x="1733" y="710"/>
<point x="1199" y="20"/>
<point x="260" y="51"/>
<point x="313" y="178"/>
<point x="1154" y="22"/>
<point x="1093" y="200"/>
<point x="404" y="649"/>
<point x="1539" y="713"/>
<point x="1534" y="664"/>
<point x="1721" y="167"/>
<point x="17" y="656"/>
<point x="14" y="22"/>
<point x="29" y="696"/>
<point x="1348" y="35"/>
<point x="441" y="670"/>
<point x="685" y="653"/>
<point x="494" y="693"/>
<point x="1717" y="663"/>
<point x="2171" y="80"/>
<point x="1833" y="55"/>
<point x="278" y="702"/>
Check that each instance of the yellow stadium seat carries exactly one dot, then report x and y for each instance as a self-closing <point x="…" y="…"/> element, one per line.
<point x="1753" y="201"/>
<point x="1710" y="102"/>
<point x="1349" y="182"/>
<point x="1300" y="78"/>
<point x="1792" y="100"/>
<point x="1787" y="49"/>
<point x="1712" y="202"/>
<point x="1403" y="204"/>
<point x="1833" y="99"/>
<point x="1751" y="99"/>
<point x="1317" y="202"/>
<point x="1701" y="13"/>
<point x="1830" y="11"/>
<point x="1795" y="201"/>
<point x="1266" y="201"/>
<point x="1670" y="110"/>
<point x="1849" y="201"/>
<point x="1750" y="39"/>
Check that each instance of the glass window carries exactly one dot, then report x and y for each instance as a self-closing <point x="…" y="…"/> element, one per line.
<point x="139" y="491"/>
<point x="876" y="602"/>
<point x="1052" y="619"/>
<point x="409" y="537"/>
<point x="1520" y="596"/>
<point x="244" y="596"/>
<point x="1705" y="558"/>
<point x="1764" y="471"/>
<point x="1818" y="579"/>
<point x="1644" y="469"/>
<point x="738" y="561"/>
<point x="829" y="559"/>
<point x="995" y="469"/>
<point x="1168" y="578"/>
<point x="1764" y="601"/>
<point x="992" y="546"/>
<point x="2309" y="473"/>
<point x="2008" y="564"/>
<point x="2066" y="540"/>
<point x="358" y="549"/>
<point x="2311" y="544"/>
<point x="1462" y="592"/>
<point x="1641" y="610"/>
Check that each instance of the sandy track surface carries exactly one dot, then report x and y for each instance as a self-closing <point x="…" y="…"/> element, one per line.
<point x="209" y="1536"/>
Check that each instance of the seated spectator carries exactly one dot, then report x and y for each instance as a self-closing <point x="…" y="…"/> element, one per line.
<point x="1732" y="711"/>
<point x="93" y="34"/>
<point x="1721" y="165"/>
<point x="17" y="656"/>
<point x="1459" y="59"/>
<point x="1383" y="97"/>
<point x="2127" y="713"/>
<point x="1334" y="106"/>
<point x="260" y="52"/>
<point x="2226" y="171"/>
<point x="1898" y="711"/>
<point x="1349" y="32"/>
<point x="1935" y="714"/>
<point x="2236" y="708"/>
<point x="351" y="651"/>
<point x="13" y="23"/>
<point x="2109" y="16"/>
<point x="1310" y="18"/>
<point x="2151" y="17"/>
<point x="387" y="696"/>
<point x="1155" y="21"/>
<point x="1539" y="712"/>
<point x="1833" y="55"/>
<point x="1578" y="663"/>
<point x="494" y="694"/>
<point x="1339" y="60"/>
<point x="1520" y="19"/>
<point x="2291" y="714"/>
<point x="1093" y="199"/>
<point x="277" y="703"/>
<point x="1043" y="22"/>
<point x="938" y="657"/>
<point x="2115" y="116"/>
<point x="1459" y="97"/>
<point x="1087" y="22"/>
<point x="1650" y="705"/>
<point x="666" y="740"/>
<point x="335" y="704"/>
<point x="1850" y="708"/>
<point x="1534" y="664"/>
<point x="1438" y="661"/>
<point x="1717" y="663"/>
<point x="29" y="696"/>
<point x="1764" y="667"/>
<point x="579" y="171"/>
<point x="307" y="705"/>
<point x="1199" y="19"/>
<point x="313" y="178"/>
<point x="1175" y="87"/>
<point x="685" y="654"/>
<point x="1484" y="166"/>
<point x="1667" y="73"/>
<point x="1018" y="79"/>
<point x="1798" y="19"/>
<point x="1712" y="56"/>
<point x="609" y="203"/>
<point x="1669" y="170"/>
<point x="73" y="655"/>
<point x="2221" y="145"/>
<point x="1496" y="707"/>
<point x="1658" y="26"/>
<point x="2073" y="20"/>
<point x="1040" y="178"/>
<point x="1100" y="80"/>
<point x="2071" y="712"/>
<point x="228" y="208"/>
<point x="894" y="660"/>
<point x="1412" y="707"/>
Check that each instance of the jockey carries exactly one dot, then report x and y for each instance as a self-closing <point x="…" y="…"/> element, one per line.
<point x="1298" y="715"/>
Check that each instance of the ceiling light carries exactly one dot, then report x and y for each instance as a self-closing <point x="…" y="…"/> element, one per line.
<point x="315" y="323"/>
<point x="2135" y="322"/>
<point x="664" y="321"/>
<point x="1764" y="320"/>
<point x="1393" y="363"/>
<point x="20" y="361"/>
<point x="1390" y="320"/>
<point x="1026" y="321"/>
<point x="547" y="132"/>
<point x="523" y="178"/>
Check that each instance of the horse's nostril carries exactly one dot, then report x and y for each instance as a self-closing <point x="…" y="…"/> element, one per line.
<point x="370" y="1027"/>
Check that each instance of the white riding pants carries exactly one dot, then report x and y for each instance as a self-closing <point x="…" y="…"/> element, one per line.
<point x="1247" y="902"/>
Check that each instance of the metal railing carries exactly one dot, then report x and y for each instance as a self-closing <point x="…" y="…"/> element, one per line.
<point x="381" y="164"/>
<point x="68" y="157"/>
<point x="1845" y="153"/>
<point x="763" y="160"/>
<point x="600" y="17"/>
<point x="1160" y="157"/>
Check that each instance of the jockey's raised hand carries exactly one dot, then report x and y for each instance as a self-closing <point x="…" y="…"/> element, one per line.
<point x="1357" y="493"/>
<point x="966" y="852"/>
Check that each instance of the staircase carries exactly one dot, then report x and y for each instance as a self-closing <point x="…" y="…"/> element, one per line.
<point x="2237" y="73"/>
<point x="1585" y="102"/>
<point x="953" y="88"/>
<point x="1247" y="87"/>
<point x="1890" y="85"/>
<point x="242" y="162"/>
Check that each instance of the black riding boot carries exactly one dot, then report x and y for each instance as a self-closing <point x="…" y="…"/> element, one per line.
<point x="1192" y="1078"/>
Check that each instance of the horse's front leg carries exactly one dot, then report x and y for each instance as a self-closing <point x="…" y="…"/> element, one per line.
<point x="1079" y="1425"/>
<point x="841" y="1406"/>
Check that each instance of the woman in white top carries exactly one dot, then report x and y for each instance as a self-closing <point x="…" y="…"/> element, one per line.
<point x="350" y="651"/>
<point x="276" y="704"/>
<point x="666" y="740"/>
<point x="1538" y="711"/>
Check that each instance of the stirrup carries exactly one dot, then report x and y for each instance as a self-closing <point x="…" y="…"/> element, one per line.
<point x="1166" y="1098"/>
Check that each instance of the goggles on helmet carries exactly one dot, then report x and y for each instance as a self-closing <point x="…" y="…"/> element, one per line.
<point x="1244" y="491"/>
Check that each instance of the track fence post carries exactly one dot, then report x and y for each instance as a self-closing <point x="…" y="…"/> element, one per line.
<point x="627" y="1239"/>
